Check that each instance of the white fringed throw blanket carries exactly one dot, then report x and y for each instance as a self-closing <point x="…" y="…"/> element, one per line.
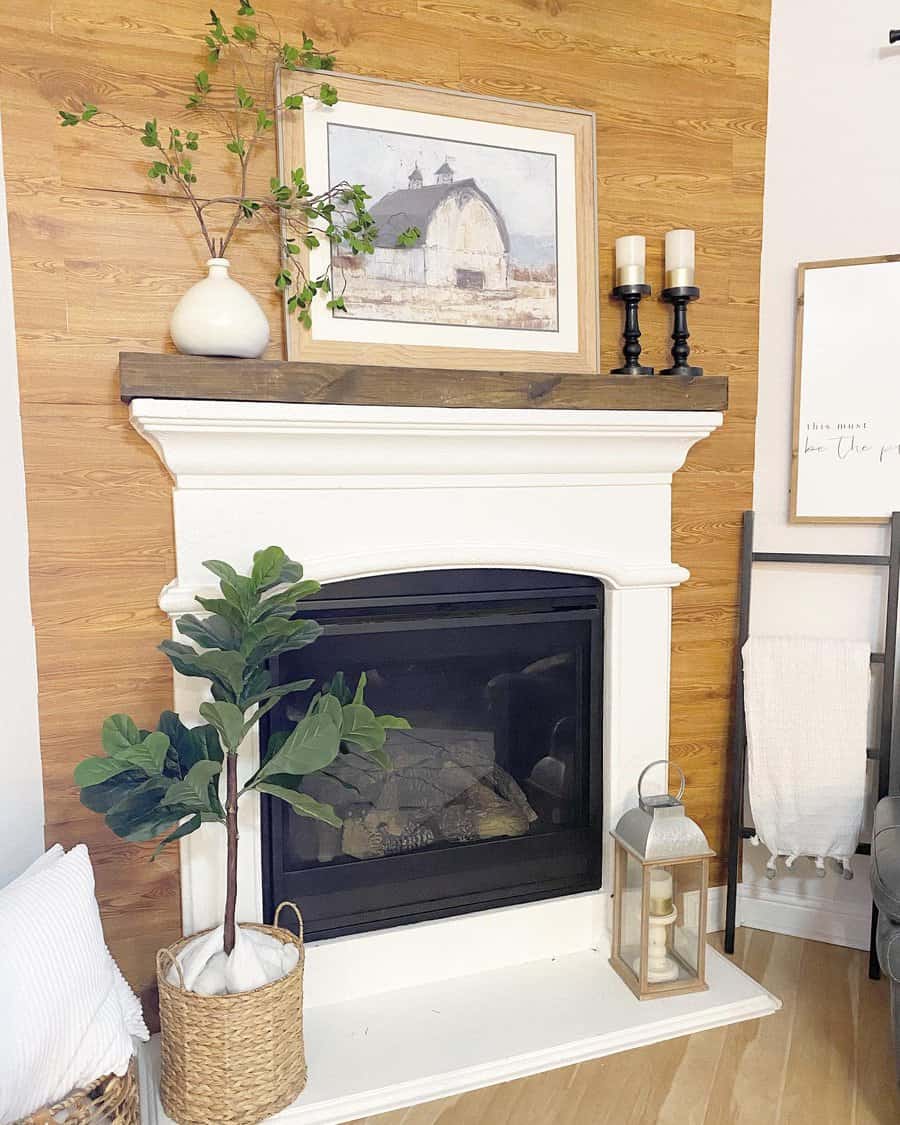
<point x="806" y="703"/>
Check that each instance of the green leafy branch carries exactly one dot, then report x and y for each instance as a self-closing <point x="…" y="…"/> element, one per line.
<point x="167" y="781"/>
<point x="254" y="48"/>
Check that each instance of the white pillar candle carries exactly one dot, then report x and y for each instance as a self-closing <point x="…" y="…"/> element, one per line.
<point x="631" y="259"/>
<point x="679" y="258"/>
<point x="660" y="891"/>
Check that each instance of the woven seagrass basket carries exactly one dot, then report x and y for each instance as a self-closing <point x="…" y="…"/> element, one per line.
<point x="232" y="1060"/>
<point x="108" y="1101"/>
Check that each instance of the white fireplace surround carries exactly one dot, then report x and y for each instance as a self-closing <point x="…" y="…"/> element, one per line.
<point x="353" y="491"/>
<point x="356" y="491"/>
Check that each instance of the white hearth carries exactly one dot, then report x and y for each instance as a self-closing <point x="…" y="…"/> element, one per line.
<point x="357" y="491"/>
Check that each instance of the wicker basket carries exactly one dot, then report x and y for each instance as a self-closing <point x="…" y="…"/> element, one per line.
<point x="232" y="1060"/>
<point x="108" y="1101"/>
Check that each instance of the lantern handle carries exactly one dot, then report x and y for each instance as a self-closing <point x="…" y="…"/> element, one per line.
<point x="670" y="765"/>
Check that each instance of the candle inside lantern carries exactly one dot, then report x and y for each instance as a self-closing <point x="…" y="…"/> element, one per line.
<point x="679" y="258"/>
<point x="631" y="259"/>
<point x="660" y="891"/>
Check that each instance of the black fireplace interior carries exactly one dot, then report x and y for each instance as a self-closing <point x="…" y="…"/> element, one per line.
<point x="494" y="795"/>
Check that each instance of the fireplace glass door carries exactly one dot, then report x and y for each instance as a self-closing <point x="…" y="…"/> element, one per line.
<point x="493" y="794"/>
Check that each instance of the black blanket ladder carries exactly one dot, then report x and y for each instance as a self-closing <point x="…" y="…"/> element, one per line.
<point x="881" y="753"/>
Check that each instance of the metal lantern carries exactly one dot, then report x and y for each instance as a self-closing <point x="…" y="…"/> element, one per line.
<point x="660" y="896"/>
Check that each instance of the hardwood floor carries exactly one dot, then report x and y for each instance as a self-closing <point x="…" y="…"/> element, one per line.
<point x="825" y="1058"/>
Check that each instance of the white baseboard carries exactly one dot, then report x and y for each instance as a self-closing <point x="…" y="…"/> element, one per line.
<point x="781" y="912"/>
<point x="715" y="910"/>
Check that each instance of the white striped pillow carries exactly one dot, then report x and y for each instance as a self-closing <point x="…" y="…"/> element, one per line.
<point x="67" y="1013"/>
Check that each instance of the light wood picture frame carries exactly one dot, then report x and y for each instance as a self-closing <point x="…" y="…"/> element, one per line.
<point x="504" y="272"/>
<point x="845" y="450"/>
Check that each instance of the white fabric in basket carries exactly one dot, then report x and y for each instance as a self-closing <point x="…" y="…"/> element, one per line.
<point x="257" y="959"/>
<point x="67" y="1014"/>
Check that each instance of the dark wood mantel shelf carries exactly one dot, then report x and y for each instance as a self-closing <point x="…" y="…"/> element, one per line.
<point x="145" y="375"/>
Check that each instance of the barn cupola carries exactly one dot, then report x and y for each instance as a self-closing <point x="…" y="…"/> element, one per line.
<point x="415" y="178"/>
<point x="444" y="174"/>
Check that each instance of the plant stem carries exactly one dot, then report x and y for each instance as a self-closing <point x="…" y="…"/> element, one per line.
<point x="231" y="830"/>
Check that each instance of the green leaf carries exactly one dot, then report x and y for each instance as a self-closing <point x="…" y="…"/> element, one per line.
<point x="328" y="95"/>
<point x="210" y="632"/>
<point x="236" y="588"/>
<point x="278" y="692"/>
<point x="150" y="136"/>
<point x="194" y="791"/>
<point x="101" y="798"/>
<point x="119" y="732"/>
<point x="338" y="687"/>
<point x="287" y="598"/>
<point x="361" y="729"/>
<point x="139" y="816"/>
<point x="276" y="740"/>
<point x="409" y="237"/>
<point x="256" y="686"/>
<point x="149" y="755"/>
<point x="302" y="803"/>
<point x="187" y="745"/>
<point x="185" y="829"/>
<point x="228" y="667"/>
<point x="232" y="614"/>
<point x="225" y="669"/>
<point x="228" y="721"/>
<point x="358" y="695"/>
<point x="218" y="30"/>
<point x="94" y="771"/>
<point x="328" y="705"/>
<point x="68" y="118"/>
<point x="393" y="722"/>
<point x="222" y="570"/>
<point x="313" y="743"/>
<point x="89" y="111"/>
<point x="267" y="567"/>
<point x="275" y="635"/>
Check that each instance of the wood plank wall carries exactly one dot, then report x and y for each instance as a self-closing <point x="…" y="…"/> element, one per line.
<point x="99" y="259"/>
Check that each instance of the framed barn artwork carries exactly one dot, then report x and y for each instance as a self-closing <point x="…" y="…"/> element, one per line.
<point x="485" y="255"/>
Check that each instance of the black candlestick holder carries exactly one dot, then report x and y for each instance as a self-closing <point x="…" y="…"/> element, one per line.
<point x="680" y="296"/>
<point x="631" y="296"/>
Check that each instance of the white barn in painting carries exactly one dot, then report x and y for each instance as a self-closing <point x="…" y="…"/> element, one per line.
<point x="463" y="240"/>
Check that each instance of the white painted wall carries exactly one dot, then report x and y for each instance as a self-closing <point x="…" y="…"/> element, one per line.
<point x="21" y="792"/>
<point x="832" y="191"/>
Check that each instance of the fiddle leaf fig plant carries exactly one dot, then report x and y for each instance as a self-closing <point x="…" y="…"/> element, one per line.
<point x="165" y="782"/>
<point x="242" y="109"/>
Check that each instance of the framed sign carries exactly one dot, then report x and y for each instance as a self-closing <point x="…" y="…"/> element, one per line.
<point x="846" y="449"/>
<point x="501" y="270"/>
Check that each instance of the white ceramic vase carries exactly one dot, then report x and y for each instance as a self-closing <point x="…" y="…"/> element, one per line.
<point x="219" y="317"/>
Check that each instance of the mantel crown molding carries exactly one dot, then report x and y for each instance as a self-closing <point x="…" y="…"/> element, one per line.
<point x="273" y="445"/>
